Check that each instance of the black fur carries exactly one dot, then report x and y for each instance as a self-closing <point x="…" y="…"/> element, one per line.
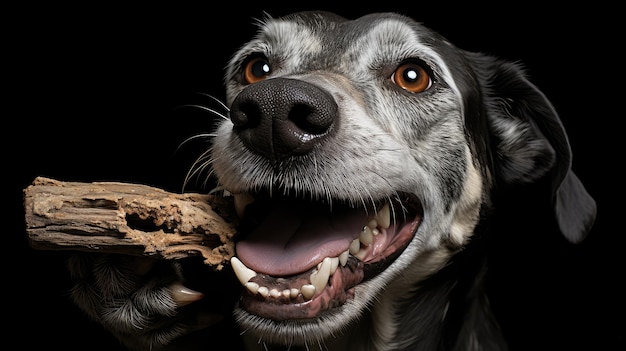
<point x="469" y="149"/>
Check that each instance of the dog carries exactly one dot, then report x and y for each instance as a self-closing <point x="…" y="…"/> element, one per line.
<point x="367" y="159"/>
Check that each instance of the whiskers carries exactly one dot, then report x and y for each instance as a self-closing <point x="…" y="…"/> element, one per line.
<point x="221" y="113"/>
<point x="201" y="168"/>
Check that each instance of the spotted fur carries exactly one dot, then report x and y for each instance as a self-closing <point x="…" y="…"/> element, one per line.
<point x="479" y="129"/>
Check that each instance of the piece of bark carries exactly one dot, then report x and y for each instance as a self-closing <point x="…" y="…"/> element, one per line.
<point x="132" y="219"/>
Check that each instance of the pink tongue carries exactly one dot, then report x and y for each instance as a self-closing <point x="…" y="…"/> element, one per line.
<point x="294" y="238"/>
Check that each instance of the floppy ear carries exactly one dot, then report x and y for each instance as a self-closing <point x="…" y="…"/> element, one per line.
<point x="530" y="142"/>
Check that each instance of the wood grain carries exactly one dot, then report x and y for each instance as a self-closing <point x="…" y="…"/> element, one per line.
<point x="133" y="219"/>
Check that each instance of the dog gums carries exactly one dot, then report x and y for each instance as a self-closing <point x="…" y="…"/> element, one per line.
<point x="131" y="219"/>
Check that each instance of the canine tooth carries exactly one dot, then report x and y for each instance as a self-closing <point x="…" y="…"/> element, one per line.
<point x="241" y="201"/>
<point x="243" y="273"/>
<point x="333" y="267"/>
<point x="366" y="236"/>
<point x="326" y="264"/>
<point x="355" y="246"/>
<point x="275" y="293"/>
<point x="319" y="278"/>
<point x="264" y="291"/>
<point x="334" y="263"/>
<point x="343" y="258"/>
<point x="307" y="291"/>
<point x="182" y="295"/>
<point x="293" y="293"/>
<point x="383" y="217"/>
<point x="252" y="287"/>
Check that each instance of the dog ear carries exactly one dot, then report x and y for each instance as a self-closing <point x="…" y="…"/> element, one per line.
<point x="530" y="142"/>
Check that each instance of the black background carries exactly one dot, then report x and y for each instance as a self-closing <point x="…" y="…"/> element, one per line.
<point x="93" y="93"/>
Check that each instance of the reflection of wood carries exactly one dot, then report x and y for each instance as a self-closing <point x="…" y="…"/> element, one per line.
<point x="129" y="219"/>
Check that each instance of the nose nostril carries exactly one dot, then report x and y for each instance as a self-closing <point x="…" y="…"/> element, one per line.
<point x="246" y="115"/>
<point x="310" y="121"/>
<point x="281" y="117"/>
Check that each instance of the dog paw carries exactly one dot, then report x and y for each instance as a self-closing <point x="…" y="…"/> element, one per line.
<point x="142" y="301"/>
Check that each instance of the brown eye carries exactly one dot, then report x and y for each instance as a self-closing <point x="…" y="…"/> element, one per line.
<point x="411" y="76"/>
<point x="256" y="70"/>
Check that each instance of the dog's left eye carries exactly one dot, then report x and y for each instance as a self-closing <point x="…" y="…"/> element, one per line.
<point x="256" y="69"/>
<point x="412" y="76"/>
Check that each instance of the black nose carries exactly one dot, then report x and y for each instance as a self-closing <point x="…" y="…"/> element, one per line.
<point x="281" y="117"/>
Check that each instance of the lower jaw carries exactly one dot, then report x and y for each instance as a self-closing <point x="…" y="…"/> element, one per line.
<point x="339" y="290"/>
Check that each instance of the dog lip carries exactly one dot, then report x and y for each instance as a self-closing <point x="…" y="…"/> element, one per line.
<point x="340" y="289"/>
<point x="373" y="259"/>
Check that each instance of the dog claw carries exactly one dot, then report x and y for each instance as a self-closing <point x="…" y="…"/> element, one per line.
<point x="182" y="295"/>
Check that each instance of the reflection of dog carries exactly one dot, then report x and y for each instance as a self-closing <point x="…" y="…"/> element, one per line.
<point x="369" y="154"/>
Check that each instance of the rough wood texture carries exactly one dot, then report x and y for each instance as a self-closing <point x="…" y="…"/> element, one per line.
<point x="132" y="219"/>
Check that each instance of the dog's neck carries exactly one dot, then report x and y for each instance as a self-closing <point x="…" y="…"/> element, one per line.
<point x="447" y="311"/>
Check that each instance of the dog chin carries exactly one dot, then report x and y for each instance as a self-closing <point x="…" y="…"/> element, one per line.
<point x="311" y="331"/>
<point x="297" y="331"/>
<point x="303" y="264"/>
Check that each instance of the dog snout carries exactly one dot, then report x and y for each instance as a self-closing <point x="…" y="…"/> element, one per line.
<point x="282" y="117"/>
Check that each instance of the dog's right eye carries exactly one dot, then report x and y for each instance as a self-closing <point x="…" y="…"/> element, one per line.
<point x="412" y="76"/>
<point x="256" y="69"/>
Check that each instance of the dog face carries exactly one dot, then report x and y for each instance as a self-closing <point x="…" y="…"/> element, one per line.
<point x="363" y="155"/>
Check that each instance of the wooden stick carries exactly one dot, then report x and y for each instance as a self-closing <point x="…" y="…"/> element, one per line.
<point x="132" y="219"/>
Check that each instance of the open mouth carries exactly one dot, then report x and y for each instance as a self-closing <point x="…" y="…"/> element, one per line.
<point x="298" y="259"/>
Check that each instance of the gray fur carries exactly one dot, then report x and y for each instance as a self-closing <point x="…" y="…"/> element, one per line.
<point x="480" y="127"/>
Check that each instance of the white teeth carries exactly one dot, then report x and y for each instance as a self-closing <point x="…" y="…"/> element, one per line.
<point x="361" y="254"/>
<point x="343" y="258"/>
<point x="324" y="270"/>
<point x="366" y="236"/>
<point x="252" y="287"/>
<point x="274" y="293"/>
<point x="293" y="293"/>
<point x="372" y="223"/>
<point x="241" y="201"/>
<point x="383" y="217"/>
<point x="243" y="273"/>
<point x="355" y="246"/>
<point x="334" y="264"/>
<point x="307" y="291"/>
<point x="382" y="220"/>
<point x="264" y="291"/>
<point x="319" y="278"/>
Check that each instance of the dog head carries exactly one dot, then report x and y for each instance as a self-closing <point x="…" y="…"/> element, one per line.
<point x="362" y="155"/>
